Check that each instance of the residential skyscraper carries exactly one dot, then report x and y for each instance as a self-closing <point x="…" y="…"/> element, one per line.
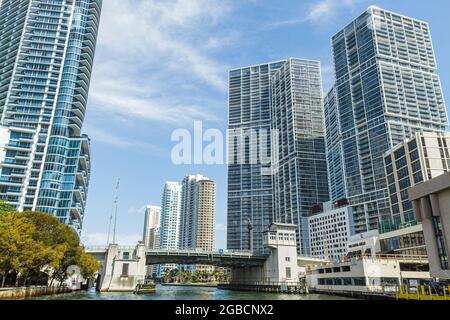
<point x="170" y="221"/>
<point x="151" y="236"/>
<point x="170" y="216"/>
<point x="335" y="160"/>
<point x="300" y="169"/>
<point x="46" y="58"/>
<point x="250" y="186"/>
<point x="151" y="227"/>
<point x="198" y="211"/>
<point x="387" y="88"/>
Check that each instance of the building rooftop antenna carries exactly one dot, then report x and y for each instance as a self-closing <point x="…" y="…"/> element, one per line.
<point x="116" y="200"/>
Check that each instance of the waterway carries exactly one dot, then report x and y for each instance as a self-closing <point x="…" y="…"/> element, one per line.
<point x="188" y="293"/>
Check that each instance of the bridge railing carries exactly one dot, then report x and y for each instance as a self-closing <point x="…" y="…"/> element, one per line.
<point x="199" y="251"/>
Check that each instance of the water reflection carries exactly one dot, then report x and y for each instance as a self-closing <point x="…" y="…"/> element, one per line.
<point x="188" y="293"/>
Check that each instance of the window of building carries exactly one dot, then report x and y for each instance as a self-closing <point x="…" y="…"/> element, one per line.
<point x="346" y="269"/>
<point x="288" y="272"/>
<point x="126" y="255"/>
<point x="359" y="282"/>
<point x="125" y="268"/>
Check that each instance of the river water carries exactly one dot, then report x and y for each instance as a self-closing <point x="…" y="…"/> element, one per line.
<point x="188" y="293"/>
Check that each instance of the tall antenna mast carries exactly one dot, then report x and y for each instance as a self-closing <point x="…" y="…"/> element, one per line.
<point x="116" y="200"/>
<point x="112" y="212"/>
<point x="109" y="225"/>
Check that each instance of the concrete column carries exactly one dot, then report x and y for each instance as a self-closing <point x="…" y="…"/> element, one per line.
<point x="434" y="200"/>
<point x="417" y="211"/>
<point x="428" y="231"/>
<point x="425" y="208"/>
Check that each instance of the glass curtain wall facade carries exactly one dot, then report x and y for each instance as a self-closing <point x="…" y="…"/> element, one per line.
<point x="170" y="216"/>
<point x="387" y="88"/>
<point x="300" y="171"/>
<point x="250" y="184"/>
<point x="46" y="57"/>
<point x="335" y="160"/>
<point x="170" y="221"/>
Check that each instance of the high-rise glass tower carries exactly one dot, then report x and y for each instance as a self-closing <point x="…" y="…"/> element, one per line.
<point x="46" y="57"/>
<point x="170" y="221"/>
<point x="300" y="169"/>
<point x="250" y="186"/>
<point x="387" y="88"/>
<point x="170" y="216"/>
<point x="335" y="160"/>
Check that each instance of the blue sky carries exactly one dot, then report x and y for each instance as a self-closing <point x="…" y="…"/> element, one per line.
<point x="161" y="64"/>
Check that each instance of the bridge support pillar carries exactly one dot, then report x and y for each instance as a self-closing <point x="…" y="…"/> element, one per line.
<point x="280" y="271"/>
<point x="123" y="269"/>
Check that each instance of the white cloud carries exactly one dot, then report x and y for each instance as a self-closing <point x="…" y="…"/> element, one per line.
<point x="148" y="51"/>
<point x="318" y="12"/>
<point x="221" y="227"/>
<point x="101" y="239"/>
<point x="99" y="135"/>
<point x="324" y="9"/>
<point x="137" y="210"/>
<point x="327" y="77"/>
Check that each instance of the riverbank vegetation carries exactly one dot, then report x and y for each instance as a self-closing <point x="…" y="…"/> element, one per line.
<point x="198" y="276"/>
<point x="36" y="249"/>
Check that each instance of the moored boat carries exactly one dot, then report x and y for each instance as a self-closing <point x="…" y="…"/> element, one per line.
<point x="147" y="287"/>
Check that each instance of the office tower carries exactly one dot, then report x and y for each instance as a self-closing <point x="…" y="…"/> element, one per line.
<point x="300" y="169"/>
<point x="151" y="227"/>
<point x="387" y="89"/>
<point x="170" y="221"/>
<point x="421" y="158"/>
<point x="329" y="231"/>
<point x="46" y="58"/>
<point x="250" y="184"/>
<point x="198" y="212"/>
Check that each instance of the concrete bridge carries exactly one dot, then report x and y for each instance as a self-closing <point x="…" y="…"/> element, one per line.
<point x="213" y="258"/>
<point x="123" y="267"/>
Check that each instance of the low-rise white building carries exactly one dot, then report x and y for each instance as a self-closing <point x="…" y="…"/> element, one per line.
<point x="329" y="232"/>
<point x="368" y="274"/>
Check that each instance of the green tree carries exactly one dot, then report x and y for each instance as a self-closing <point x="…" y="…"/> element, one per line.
<point x="88" y="266"/>
<point x="18" y="250"/>
<point x="5" y="207"/>
<point x="31" y="242"/>
<point x="60" y="241"/>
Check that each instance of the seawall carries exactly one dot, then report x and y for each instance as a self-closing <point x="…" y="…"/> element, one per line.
<point x="23" y="293"/>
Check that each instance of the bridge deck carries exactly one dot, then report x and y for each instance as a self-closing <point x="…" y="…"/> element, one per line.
<point x="227" y="259"/>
